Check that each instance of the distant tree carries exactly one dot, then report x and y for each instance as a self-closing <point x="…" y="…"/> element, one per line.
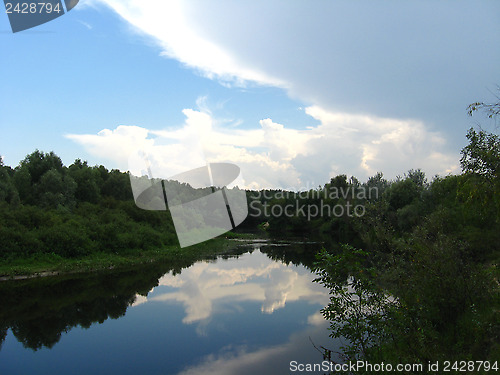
<point x="417" y="176"/>
<point x="103" y="172"/>
<point x="22" y="182"/>
<point x="480" y="187"/>
<point x="339" y="182"/>
<point x="30" y="171"/>
<point x="402" y="193"/>
<point x="37" y="163"/>
<point x="482" y="155"/>
<point x="88" y="181"/>
<point x="117" y="185"/>
<point x="56" y="190"/>
<point x="377" y="182"/>
<point x="8" y="191"/>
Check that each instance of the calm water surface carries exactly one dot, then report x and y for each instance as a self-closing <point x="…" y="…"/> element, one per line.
<point x="250" y="313"/>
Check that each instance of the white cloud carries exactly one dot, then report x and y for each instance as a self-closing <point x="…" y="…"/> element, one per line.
<point x="114" y="145"/>
<point x="170" y="26"/>
<point x="388" y="83"/>
<point x="277" y="156"/>
<point x="363" y="145"/>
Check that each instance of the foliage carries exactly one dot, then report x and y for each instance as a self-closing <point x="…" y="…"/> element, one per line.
<point x="358" y="307"/>
<point x="47" y="208"/>
<point x="492" y="109"/>
<point x="482" y="155"/>
<point x="434" y="247"/>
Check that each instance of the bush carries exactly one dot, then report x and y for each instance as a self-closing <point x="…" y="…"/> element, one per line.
<point x="67" y="240"/>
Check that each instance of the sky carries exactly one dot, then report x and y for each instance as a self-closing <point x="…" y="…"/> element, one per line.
<point x="293" y="92"/>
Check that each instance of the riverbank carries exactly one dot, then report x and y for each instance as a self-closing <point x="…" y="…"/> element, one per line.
<point x="40" y="265"/>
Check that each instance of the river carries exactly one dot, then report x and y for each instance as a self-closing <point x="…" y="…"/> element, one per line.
<point x="251" y="312"/>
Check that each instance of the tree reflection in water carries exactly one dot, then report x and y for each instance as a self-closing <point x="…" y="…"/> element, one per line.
<point x="39" y="310"/>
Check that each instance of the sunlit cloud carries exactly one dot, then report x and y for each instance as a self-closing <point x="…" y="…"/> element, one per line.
<point x="274" y="155"/>
<point x="114" y="145"/>
<point x="168" y="24"/>
<point x="362" y="145"/>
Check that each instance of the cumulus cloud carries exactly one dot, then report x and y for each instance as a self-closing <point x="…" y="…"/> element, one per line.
<point x="114" y="145"/>
<point x="362" y="145"/>
<point x="275" y="155"/>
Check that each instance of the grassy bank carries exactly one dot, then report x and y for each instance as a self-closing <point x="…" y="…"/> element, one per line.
<point x="52" y="264"/>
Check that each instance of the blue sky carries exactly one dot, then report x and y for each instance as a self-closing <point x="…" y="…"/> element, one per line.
<point x="293" y="92"/>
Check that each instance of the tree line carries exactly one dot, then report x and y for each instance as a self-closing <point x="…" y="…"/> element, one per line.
<point x="415" y="280"/>
<point x="48" y="208"/>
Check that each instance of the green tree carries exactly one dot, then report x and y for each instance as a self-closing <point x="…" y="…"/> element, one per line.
<point x="418" y="177"/>
<point x="8" y="191"/>
<point x="375" y="186"/>
<point x="88" y="181"/>
<point x="480" y="186"/>
<point x="482" y="155"/>
<point x="38" y="163"/>
<point x="22" y="182"/>
<point x="358" y="309"/>
<point x="402" y="193"/>
<point x="30" y="171"/>
<point x="117" y="186"/>
<point x="56" y="190"/>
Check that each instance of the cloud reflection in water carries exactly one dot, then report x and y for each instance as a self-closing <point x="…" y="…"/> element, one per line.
<point x="206" y="287"/>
